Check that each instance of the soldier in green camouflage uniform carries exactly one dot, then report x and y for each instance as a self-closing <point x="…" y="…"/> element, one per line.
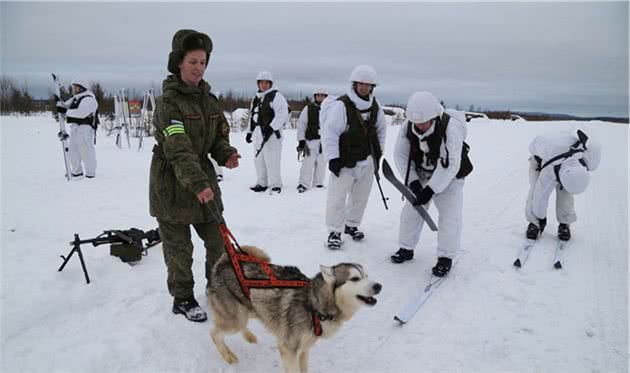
<point x="183" y="186"/>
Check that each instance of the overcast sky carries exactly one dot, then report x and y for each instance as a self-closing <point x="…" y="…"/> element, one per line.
<point x="553" y="57"/>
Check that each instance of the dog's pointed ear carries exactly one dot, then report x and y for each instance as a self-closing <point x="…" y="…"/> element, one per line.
<point x="327" y="272"/>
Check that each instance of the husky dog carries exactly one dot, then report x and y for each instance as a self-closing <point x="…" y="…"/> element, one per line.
<point x="293" y="315"/>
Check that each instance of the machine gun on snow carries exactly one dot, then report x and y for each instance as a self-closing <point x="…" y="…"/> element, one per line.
<point x="124" y="244"/>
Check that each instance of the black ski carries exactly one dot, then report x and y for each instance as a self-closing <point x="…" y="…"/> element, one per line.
<point x="408" y="194"/>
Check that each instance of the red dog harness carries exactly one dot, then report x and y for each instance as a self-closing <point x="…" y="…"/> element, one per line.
<point x="272" y="282"/>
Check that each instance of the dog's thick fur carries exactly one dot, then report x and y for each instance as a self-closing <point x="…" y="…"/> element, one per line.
<point x="335" y="292"/>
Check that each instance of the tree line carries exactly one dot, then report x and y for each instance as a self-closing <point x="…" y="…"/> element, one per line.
<point x="14" y="99"/>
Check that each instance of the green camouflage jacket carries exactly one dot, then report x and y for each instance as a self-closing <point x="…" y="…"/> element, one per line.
<point x="189" y="126"/>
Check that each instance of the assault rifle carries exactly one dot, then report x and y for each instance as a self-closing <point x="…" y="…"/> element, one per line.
<point x="376" y="175"/>
<point x="265" y="139"/>
<point x="374" y="155"/>
<point x="303" y="153"/>
<point x="125" y="244"/>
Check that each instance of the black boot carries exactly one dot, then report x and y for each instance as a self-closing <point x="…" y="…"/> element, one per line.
<point x="402" y="255"/>
<point x="532" y="231"/>
<point x="356" y="234"/>
<point x="564" y="233"/>
<point x="190" y="309"/>
<point x="334" y="241"/>
<point x="258" y="188"/>
<point x="301" y="188"/>
<point x="442" y="267"/>
<point x="276" y="190"/>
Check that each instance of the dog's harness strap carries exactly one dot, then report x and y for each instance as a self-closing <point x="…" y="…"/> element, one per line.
<point x="229" y="247"/>
<point x="317" y="324"/>
<point x="271" y="282"/>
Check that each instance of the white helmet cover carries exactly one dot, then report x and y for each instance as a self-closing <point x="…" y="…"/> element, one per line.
<point x="363" y="74"/>
<point x="422" y="107"/>
<point x="264" y="75"/>
<point x="81" y="82"/>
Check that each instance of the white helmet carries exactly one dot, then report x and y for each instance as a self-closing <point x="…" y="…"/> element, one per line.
<point x="80" y="82"/>
<point x="593" y="155"/>
<point x="264" y="75"/>
<point x="320" y="91"/>
<point x="363" y="74"/>
<point x="422" y="107"/>
<point x="574" y="177"/>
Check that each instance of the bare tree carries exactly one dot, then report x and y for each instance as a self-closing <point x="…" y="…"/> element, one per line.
<point x="15" y="100"/>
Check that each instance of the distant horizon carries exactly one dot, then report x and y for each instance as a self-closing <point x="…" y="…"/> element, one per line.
<point x="528" y="57"/>
<point x="300" y="96"/>
<point x="461" y="107"/>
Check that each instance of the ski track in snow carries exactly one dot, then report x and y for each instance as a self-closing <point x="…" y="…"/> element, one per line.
<point x="487" y="317"/>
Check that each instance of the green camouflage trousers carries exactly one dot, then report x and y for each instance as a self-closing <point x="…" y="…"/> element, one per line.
<point x="178" y="254"/>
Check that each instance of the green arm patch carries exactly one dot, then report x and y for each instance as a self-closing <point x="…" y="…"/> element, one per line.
<point x="175" y="128"/>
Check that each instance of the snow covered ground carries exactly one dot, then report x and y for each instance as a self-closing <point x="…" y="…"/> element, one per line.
<point x="487" y="317"/>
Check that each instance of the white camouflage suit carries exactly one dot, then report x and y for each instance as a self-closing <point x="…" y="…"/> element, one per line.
<point x="449" y="195"/>
<point x="347" y="194"/>
<point x="542" y="183"/>
<point x="268" y="160"/>
<point x="81" y="143"/>
<point x="313" y="168"/>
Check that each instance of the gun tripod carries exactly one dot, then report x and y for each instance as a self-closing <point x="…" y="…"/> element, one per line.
<point x="132" y="237"/>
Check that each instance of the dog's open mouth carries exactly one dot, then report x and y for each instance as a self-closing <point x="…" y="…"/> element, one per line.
<point x="370" y="301"/>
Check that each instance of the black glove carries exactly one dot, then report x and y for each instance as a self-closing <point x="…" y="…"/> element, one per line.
<point x="301" y="146"/>
<point x="248" y="138"/>
<point x="62" y="135"/>
<point x="415" y="187"/>
<point x="542" y="223"/>
<point x="61" y="109"/>
<point x="334" y="165"/>
<point x="267" y="131"/>
<point x="57" y="98"/>
<point x="424" y="196"/>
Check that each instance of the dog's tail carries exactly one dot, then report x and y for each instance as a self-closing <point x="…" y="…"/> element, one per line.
<point x="256" y="252"/>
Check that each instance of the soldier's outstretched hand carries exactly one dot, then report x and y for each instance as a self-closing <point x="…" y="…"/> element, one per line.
<point x="205" y="195"/>
<point x="232" y="162"/>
